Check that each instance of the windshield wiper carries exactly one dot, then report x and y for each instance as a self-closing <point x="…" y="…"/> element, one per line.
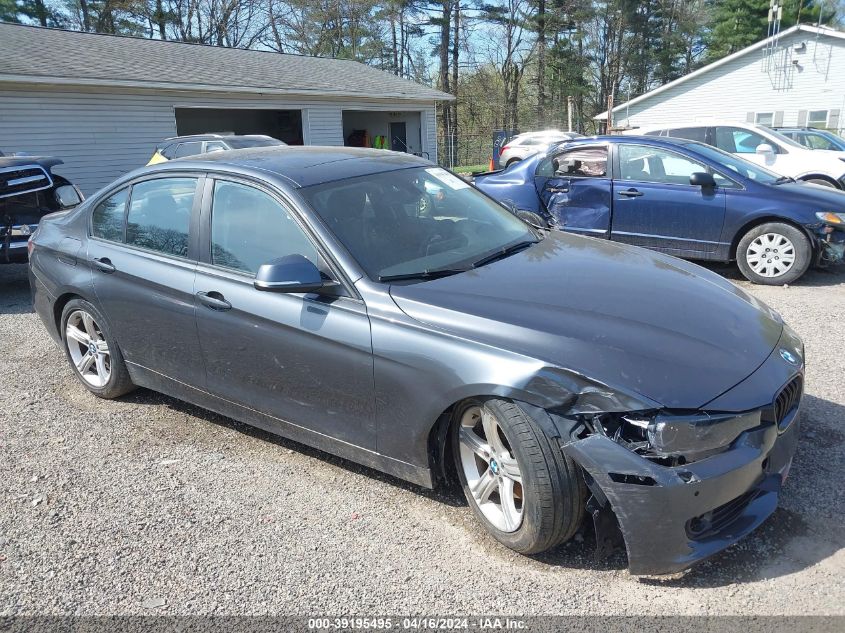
<point x="783" y="179"/>
<point x="502" y="253"/>
<point x="424" y="274"/>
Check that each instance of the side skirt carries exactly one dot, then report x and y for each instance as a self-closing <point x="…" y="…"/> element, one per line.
<point x="144" y="377"/>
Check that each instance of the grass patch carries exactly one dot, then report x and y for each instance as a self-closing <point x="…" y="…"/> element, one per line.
<point x="468" y="169"/>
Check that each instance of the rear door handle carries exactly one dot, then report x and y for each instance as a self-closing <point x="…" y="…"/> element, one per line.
<point x="214" y="300"/>
<point x="631" y="193"/>
<point x="104" y="264"/>
<point x="557" y="189"/>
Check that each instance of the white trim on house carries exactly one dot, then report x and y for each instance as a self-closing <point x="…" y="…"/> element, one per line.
<point x="721" y="62"/>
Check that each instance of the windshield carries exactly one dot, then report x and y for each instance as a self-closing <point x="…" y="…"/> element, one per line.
<point x="242" y="143"/>
<point x="744" y="168"/>
<point x="420" y="222"/>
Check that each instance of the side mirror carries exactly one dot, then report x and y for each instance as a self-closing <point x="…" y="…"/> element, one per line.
<point x="292" y="273"/>
<point x="67" y="196"/>
<point x="702" y="179"/>
<point x="764" y="148"/>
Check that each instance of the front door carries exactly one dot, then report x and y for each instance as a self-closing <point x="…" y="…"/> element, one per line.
<point x="574" y="187"/>
<point x="143" y="266"/>
<point x="654" y="204"/>
<point x="398" y="136"/>
<point x="305" y="359"/>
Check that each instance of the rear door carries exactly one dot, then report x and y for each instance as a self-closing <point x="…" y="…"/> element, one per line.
<point x="655" y="206"/>
<point x="142" y="252"/>
<point x="575" y="188"/>
<point x="302" y="358"/>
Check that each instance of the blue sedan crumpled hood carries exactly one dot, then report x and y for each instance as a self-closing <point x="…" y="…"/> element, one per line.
<point x="625" y="316"/>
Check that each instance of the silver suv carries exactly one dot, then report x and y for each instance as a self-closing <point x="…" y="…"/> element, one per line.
<point x="523" y="145"/>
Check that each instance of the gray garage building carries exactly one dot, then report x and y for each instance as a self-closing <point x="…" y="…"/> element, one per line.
<point x="101" y="103"/>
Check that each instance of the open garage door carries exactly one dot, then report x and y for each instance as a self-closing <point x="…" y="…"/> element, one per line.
<point x="285" y="125"/>
<point x="397" y="131"/>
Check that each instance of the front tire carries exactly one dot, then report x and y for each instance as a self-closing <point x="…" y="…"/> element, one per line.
<point x="93" y="353"/>
<point x="774" y="253"/>
<point x="520" y="486"/>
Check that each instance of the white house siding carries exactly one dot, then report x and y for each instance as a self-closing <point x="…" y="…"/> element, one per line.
<point x="742" y="86"/>
<point x="101" y="134"/>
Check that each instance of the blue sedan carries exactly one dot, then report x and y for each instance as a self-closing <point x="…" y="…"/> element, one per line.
<point x="678" y="197"/>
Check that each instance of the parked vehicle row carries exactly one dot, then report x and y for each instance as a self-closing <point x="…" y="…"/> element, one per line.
<point x="311" y="292"/>
<point x="814" y="138"/>
<point x="763" y="146"/>
<point x="679" y="197"/>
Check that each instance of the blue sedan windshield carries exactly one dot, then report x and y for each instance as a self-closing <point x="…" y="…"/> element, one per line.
<point x="420" y="222"/>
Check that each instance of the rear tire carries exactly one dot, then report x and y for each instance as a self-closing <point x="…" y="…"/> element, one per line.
<point x="92" y="352"/>
<point x="774" y="253"/>
<point x="520" y="486"/>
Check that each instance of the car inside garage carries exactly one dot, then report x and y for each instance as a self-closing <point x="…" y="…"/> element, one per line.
<point x="397" y="131"/>
<point x="285" y="125"/>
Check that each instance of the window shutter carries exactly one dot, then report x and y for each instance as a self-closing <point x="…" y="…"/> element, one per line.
<point x="833" y="120"/>
<point x="749" y="117"/>
<point x="802" y="118"/>
<point x="778" y="122"/>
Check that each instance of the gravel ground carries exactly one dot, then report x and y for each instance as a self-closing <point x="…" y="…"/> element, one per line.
<point x="147" y="505"/>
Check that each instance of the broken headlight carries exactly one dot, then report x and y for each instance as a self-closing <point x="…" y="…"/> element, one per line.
<point x="673" y="438"/>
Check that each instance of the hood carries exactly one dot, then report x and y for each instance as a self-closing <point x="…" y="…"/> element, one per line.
<point x="624" y="316"/>
<point x="819" y="197"/>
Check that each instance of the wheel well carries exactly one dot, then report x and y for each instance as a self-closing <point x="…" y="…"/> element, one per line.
<point x="59" y="306"/>
<point x="512" y="161"/>
<point x="757" y="222"/>
<point x="821" y="177"/>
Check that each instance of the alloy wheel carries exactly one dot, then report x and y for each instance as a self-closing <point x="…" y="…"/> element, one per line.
<point x="88" y="348"/>
<point x="770" y="255"/>
<point x="491" y="470"/>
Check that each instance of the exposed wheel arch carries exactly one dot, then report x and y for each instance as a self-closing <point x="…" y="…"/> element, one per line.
<point x="59" y="306"/>
<point x="513" y="161"/>
<point x="820" y="179"/>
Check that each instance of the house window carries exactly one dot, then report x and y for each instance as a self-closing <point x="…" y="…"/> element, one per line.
<point x="817" y="118"/>
<point x="765" y="118"/>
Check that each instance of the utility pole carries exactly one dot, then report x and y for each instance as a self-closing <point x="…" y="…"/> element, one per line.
<point x="569" y="103"/>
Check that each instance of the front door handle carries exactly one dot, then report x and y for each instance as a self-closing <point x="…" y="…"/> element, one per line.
<point x="104" y="264"/>
<point x="557" y="189"/>
<point x="631" y="193"/>
<point x="214" y="300"/>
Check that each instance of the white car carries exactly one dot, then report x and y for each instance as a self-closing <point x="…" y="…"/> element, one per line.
<point x="763" y="146"/>
<point x="527" y="143"/>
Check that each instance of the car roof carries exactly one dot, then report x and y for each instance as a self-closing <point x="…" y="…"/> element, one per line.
<point x="630" y="138"/>
<point x="213" y="136"/>
<point x="300" y="166"/>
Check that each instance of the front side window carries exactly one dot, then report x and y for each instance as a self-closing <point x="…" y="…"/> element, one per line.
<point x="188" y="149"/>
<point x="108" y="216"/>
<point x="160" y="215"/>
<point x="817" y="118"/>
<point x="215" y="146"/>
<point x="419" y="222"/>
<point x="587" y="162"/>
<point x="650" y="164"/>
<point x="738" y="141"/>
<point x="250" y="228"/>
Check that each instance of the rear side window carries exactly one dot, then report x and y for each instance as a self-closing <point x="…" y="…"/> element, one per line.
<point x="160" y="215"/>
<point x="690" y="133"/>
<point x="107" y="219"/>
<point x="188" y="149"/>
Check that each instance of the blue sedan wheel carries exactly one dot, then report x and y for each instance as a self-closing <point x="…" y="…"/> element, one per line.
<point x="773" y="253"/>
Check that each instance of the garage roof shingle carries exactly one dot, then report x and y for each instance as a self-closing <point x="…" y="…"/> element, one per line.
<point x="30" y="53"/>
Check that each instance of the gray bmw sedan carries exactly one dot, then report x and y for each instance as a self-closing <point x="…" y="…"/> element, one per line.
<point x="377" y="307"/>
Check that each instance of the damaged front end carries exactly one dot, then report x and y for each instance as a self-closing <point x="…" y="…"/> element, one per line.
<point x="684" y="485"/>
<point x="830" y="233"/>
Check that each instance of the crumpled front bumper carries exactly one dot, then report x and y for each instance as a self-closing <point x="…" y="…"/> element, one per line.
<point x="672" y="517"/>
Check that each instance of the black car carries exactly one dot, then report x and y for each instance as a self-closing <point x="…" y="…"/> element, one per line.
<point x="29" y="190"/>
<point x="309" y="292"/>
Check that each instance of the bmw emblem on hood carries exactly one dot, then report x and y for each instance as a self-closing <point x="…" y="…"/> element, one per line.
<point x="788" y="356"/>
